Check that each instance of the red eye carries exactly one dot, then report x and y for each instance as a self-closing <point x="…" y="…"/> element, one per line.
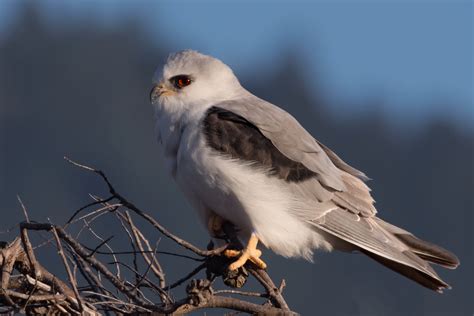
<point x="181" y="81"/>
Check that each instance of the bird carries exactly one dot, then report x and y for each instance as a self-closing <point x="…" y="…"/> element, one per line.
<point x="240" y="159"/>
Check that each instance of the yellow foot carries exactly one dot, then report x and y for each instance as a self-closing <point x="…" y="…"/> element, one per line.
<point x="249" y="253"/>
<point x="214" y="225"/>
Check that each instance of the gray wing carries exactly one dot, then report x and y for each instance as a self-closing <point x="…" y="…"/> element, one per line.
<point x="334" y="197"/>
<point x="336" y="181"/>
<point x="288" y="136"/>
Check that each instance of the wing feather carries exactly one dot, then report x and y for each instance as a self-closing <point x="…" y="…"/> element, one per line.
<point x="289" y="137"/>
<point x="342" y="182"/>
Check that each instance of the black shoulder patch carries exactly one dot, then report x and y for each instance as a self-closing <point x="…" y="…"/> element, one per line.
<point x="234" y="136"/>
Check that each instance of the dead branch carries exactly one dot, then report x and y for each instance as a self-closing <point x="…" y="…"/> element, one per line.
<point x="26" y="286"/>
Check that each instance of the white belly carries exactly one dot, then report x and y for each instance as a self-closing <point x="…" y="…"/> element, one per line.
<point x="243" y="195"/>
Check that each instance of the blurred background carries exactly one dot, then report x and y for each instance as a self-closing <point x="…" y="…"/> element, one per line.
<point x="388" y="86"/>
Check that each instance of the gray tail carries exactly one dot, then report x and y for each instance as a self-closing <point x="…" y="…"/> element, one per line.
<point x="423" y="249"/>
<point x="428" y="280"/>
<point x="429" y="251"/>
<point x="391" y="246"/>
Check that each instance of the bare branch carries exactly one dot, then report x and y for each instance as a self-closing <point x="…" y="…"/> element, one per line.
<point x="25" y="212"/>
<point x="147" y="217"/>
<point x="35" y="290"/>
<point x="72" y="280"/>
<point x="153" y="263"/>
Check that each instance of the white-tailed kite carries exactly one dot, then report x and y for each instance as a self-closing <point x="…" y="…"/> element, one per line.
<point x="240" y="159"/>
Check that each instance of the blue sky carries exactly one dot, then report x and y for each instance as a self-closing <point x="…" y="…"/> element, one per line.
<point x="414" y="56"/>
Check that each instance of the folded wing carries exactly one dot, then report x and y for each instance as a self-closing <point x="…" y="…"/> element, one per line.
<point x="264" y="135"/>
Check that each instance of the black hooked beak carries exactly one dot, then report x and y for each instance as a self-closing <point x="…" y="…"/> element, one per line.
<point x="155" y="92"/>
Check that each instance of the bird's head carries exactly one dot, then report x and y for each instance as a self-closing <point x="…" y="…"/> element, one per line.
<point x="189" y="77"/>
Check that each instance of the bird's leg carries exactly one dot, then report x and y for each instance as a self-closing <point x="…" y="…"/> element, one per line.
<point x="249" y="253"/>
<point x="214" y="225"/>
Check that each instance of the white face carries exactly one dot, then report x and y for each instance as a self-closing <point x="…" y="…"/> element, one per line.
<point x="190" y="77"/>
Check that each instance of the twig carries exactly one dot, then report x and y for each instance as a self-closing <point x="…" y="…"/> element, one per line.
<point x="255" y="294"/>
<point x="147" y="281"/>
<point x="86" y="206"/>
<point x="35" y="298"/>
<point x="71" y="278"/>
<point x="153" y="263"/>
<point x="38" y="270"/>
<point x="187" y="277"/>
<point x="273" y="292"/>
<point x="113" y="300"/>
<point x="103" y="210"/>
<point x="29" y="252"/>
<point x="103" y="242"/>
<point x="95" y="282"/>
<point x="25" y="212"/>
<point x="136" y="252"/>
<point x="8" y="259"/>
<point x="116" y="281"/>
<point x="282" y="285"/>
<point x="147" y="217"/>
<point x="96" y="249"/>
